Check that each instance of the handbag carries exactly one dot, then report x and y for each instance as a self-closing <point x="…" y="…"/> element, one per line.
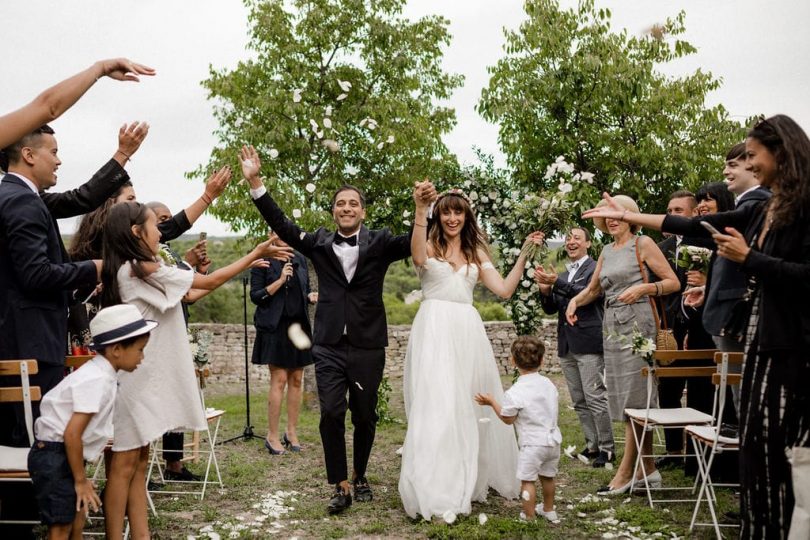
<point x="737" y="325"/>
<point x="664" y="338"/>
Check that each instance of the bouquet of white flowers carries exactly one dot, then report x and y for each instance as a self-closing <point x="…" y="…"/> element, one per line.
<point x="693" y="258"/>
<point x="199" y="341"/>
<point x="638" y="343"/>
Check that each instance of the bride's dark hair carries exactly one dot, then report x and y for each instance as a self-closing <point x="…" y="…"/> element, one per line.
<point x="120" y="245"/>
<point x="472" y="237"/>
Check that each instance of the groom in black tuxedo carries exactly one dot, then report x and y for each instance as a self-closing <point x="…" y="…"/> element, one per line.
<point x="350" y="333"/>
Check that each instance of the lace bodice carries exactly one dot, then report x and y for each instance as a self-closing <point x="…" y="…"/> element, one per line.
<point x="441" y="282"/>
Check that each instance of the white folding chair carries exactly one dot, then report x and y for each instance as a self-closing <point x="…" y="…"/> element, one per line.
<point x="209" y="441"/>
<point x="14" y="460"/>
<point x="708" y="442"/>
<point x="652" y="417"/>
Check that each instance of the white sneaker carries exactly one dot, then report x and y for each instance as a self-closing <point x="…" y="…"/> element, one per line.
<point x="551" y="515"/>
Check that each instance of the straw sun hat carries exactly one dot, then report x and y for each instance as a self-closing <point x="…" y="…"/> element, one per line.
<point x="625" y="202"/>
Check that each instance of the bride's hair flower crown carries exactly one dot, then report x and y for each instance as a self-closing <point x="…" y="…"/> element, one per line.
<point x="457" y="192"/>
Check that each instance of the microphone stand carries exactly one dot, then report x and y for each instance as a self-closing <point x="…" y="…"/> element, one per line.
<point x="247" y="434"/>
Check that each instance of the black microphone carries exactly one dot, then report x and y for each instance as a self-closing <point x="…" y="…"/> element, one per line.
<point x="295" y="267"/>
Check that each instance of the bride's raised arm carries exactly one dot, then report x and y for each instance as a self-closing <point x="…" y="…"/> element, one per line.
<point x="492" y="279"/>
<point x="423" y="194"/>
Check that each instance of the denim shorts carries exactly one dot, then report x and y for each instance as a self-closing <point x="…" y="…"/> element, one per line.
<point x="54" y="488"/>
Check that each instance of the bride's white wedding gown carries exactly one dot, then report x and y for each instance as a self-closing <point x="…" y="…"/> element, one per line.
<point x="451" y="457"/>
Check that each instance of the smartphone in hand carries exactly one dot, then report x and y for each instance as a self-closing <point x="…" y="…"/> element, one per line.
<point x="709" y="227"/>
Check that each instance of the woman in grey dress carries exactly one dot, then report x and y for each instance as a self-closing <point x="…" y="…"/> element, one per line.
<point x="627" y="308"/>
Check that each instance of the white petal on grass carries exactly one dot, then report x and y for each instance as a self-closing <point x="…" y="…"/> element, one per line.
<point x="525" y="495"/>
<point x="380" y="146"/>
<point x="582" y="458"/>
<point x="390" y="139"/>
<point x="313" y="168"/>
<point x="341" y="97"/>
<point x="319" y="134"/>
<point x="344" y="85"/>
<point x="273" y="153"/>
<point x="399" y="451"/>
<point x="328" y="111"/>
<point x="327" y="122"/>
<point x="297" y="95"/>
<point x="608" y="466"/>
<point x="310" y="187"/>
<point x="313" y="124"/>
<point x="569" y="451"/>
<point x="296" y="213"/>
<point x="449" y="517"/>
<point x="482" y="519"/>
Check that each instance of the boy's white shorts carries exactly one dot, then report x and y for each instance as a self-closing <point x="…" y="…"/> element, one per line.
<point x="534" y="461"/>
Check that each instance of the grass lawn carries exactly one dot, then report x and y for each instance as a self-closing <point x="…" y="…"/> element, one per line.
<point x="285" y="496"/>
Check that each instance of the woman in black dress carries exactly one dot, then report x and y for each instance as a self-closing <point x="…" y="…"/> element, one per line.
<point x="281" y="293"/>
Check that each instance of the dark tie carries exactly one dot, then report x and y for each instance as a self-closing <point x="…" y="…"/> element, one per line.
<point x="351" y="240"/>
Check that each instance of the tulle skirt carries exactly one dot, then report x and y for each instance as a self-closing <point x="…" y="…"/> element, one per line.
<point x="454" y="449"/>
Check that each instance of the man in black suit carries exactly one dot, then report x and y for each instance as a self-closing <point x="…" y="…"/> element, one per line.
<point x="727" y="283"/>
<point x="579" y="347"/>
<point x="687" y="326"/>
<point x="35" y="271"/>
<point x="350" y="333"/>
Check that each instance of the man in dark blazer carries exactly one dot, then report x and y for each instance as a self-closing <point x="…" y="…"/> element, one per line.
<point x="35" y="271"/>
<point x="350" y="333"/>
<point x="687" y="326"/>
<point x="727" y="283"/>
<point x="579" y="347"/>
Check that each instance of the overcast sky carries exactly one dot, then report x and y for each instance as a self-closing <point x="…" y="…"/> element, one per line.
<point x="759" y="49"/>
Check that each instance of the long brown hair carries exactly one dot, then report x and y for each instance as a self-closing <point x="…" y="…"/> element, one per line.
<point x="121" y="246"/>
<point x="791" y="149"/>
<point x="89" y="237"/>
<point x="472" y="237"/>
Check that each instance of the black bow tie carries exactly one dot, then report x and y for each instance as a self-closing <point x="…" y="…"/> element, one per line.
<point x="351" y="240"/>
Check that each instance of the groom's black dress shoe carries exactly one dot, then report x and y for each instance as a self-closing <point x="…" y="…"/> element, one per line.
<point x="362" y="491"/>
<point x="339" y="502"/>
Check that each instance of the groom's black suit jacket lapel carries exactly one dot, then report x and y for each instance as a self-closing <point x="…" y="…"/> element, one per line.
<point x="355" y="306"/>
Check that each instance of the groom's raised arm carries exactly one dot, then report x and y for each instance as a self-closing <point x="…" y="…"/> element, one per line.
<point x="288" y="231"/>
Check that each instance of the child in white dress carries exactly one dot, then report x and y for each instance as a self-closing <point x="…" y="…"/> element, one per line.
<point x="532" y="405"/>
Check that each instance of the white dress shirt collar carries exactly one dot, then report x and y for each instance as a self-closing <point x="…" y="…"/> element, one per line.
<point x="573" y="266"/>
<point x="744" y="193"/>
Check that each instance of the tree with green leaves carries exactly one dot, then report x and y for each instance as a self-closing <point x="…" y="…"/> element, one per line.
<point x="570" y="86"/>
<point x="339" y="91"/>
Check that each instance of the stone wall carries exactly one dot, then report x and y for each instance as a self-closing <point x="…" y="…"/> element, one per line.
<point x="227" y="350"/>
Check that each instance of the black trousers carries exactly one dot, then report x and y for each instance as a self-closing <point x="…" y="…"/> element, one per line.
<point x="173" y="446"/>
<point x="342" y="369"/>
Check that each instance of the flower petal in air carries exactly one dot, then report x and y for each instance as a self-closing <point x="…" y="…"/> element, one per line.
<point x="310" y="187"/>
<point x="341" y="97"/>
<point x="390" y="139"/>
<point x="327" y="123"/>
<point x="296" y="214"/>
<point x="331" y="145"/>
<point x="297" y="95"/>
<point x="344" y="85"/>
<point x="273" y="153"/>
<point x="298" y="337"/>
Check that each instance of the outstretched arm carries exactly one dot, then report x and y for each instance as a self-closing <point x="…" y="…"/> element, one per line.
<point x="264" y="250"/>
<point x="493" y="281"/>
<point x="104" y="183"/>
<point x="288" y="231"/>
<point x="54" y="101"/>
<point x="487" y="399"/>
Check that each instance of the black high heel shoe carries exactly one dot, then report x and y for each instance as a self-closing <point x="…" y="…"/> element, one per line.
<point x="273" y="451"/>
<point x="289" y="445"/>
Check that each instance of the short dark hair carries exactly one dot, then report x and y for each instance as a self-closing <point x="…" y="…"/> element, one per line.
<point x="348" y="187"/>
<point x="585" y="232"/>
<point x="527" y="352"/>
<point x="719" y="193"/>
<point x="737" y="152"/>
<point x="11" y="153"/>
<point x="125" y="343"/>
<point x="681" y="194"/>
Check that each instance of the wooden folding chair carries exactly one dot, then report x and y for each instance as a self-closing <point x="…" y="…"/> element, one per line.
<point x="708" y="442"/>
<point x="14" y="460"/>
<point x="652" y="417"/>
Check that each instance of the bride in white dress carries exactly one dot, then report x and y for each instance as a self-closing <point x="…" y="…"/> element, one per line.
<point x="454" y="450"/>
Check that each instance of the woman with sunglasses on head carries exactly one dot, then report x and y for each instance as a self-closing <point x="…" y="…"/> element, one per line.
<point x="774" y="250"/>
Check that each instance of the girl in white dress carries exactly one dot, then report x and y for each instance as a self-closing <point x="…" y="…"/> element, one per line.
<point x="454" y="450"/>
<point x="161" y="395"/>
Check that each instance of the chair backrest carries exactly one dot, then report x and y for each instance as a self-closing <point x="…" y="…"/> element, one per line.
<point x="691" y="354"/>
<point x="24" y="393"/>
<point x="78" y="360"/>
<point x="663" y="371"/>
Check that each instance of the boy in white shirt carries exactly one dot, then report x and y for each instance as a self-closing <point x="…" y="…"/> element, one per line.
<point x="531" y="404"/>
<point x="75" y="421"/>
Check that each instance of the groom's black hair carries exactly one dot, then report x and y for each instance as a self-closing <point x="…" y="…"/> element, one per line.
<point x="348" y="187"/>
<point x="527" y="352"/>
